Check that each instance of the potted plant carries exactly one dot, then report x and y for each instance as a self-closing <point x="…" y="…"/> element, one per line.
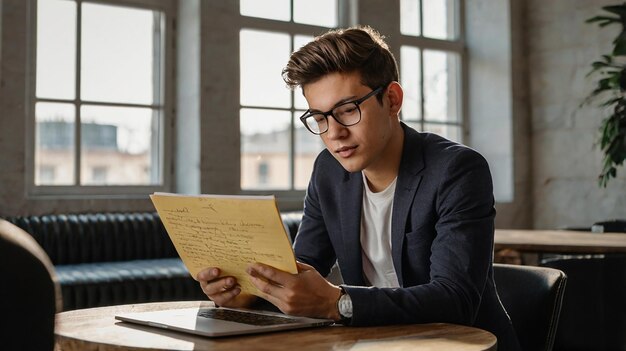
<point x="610" y="91"/>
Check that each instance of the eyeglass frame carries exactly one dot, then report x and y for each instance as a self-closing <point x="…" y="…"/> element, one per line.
<point x="356" y="102"/>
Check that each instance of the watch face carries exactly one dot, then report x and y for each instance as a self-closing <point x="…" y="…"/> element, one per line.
<point x="345" y="306"/>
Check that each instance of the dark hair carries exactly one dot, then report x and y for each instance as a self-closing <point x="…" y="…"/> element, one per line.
<point x="357" y="49"/>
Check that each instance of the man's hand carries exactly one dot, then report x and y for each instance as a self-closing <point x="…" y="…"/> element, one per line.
<point x="224" y="291"/>
<point x="304" y="294"/>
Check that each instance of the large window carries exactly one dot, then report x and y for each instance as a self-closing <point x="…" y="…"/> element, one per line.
<point x="277" y="152"/>
<point x="99" y="96"/>
<point x="430" y="60"/>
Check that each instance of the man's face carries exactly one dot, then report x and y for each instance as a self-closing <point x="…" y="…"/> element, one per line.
<point x="364" y="145"/>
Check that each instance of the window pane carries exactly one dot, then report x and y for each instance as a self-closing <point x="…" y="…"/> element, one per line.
<point x="410" y="78"/>
<point x="409" y="17"/>
<point x="270" y="9"/>
<point x="441" y="86"/>
<point x="54" y="147"/>
<point x="319" y="12"/>
<point x="117" y="146"/>
<point x="452" y="132"/>
<point x="301" y="40"/>
<point x="440" y="19"/>
<point x="118" y="58"/>
<point x="263" y="55"/>
<point x="299" y="100"/>
<point x="265" y="144"/>
<point x="308" y="146"/>
<point x="56" y="49"/>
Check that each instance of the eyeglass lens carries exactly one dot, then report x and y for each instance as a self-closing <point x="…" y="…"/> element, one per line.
<point x="346" y="114"/>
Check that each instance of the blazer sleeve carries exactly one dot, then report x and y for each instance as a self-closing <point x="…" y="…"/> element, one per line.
<point x="312" y="244"/>
<point x="460" y="254"/>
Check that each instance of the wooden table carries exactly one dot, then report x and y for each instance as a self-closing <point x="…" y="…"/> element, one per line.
<point x="560" y="241"/>
<point x="96" y="329"/>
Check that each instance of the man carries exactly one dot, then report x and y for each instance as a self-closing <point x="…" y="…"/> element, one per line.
<point x="408" y="216"/>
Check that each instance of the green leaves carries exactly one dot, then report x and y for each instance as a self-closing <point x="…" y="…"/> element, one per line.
<point x="619" y="10"/>
<point x="607" y="61"/>
<point x="611" y="82"/>
<point x="613" y="142"/>
<point x="603" y="20"/>
<point x="619" y="44"/>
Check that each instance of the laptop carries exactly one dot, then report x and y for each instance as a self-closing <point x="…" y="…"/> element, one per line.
<point x="220" y="321"/>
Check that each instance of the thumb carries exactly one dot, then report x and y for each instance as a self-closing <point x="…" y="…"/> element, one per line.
<point x="303" y="267"/>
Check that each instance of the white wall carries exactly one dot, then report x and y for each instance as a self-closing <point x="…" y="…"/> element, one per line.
<point x="497" y="99"/>
<point x="490" y="90"/>
<point x="187" y="154"/>
<point x="561" y="48"/>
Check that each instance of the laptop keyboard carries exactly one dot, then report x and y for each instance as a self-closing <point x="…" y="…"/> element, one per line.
<point x="245" y="317"/>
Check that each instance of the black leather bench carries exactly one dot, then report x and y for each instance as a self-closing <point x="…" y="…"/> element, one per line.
<point x="116" y="258"/>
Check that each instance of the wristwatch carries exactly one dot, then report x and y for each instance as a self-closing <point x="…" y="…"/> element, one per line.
<point x="344" y="305"/>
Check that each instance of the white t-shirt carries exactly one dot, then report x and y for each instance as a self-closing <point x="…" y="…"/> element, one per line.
<point x="376" y="236"/>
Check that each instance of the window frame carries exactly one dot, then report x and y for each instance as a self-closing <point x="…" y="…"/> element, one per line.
<point x="350" y="14"/>
<point x="166" y="78"/>
<point x="457" y="46"/>
<point x="291" y="197"/>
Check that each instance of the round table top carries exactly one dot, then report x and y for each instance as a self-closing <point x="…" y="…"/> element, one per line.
<point x="97" y="329"/>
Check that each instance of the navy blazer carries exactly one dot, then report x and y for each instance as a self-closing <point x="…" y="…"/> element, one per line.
<point x="442" y="234"/>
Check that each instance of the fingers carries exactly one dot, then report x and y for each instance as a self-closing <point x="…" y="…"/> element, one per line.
<point x="208" y="274"/>
<point x="304" y="294"/>
<point x="266" y="288"/>
<point x="221" y="290"/>
<point x="270" y="274"/>
<point x="275" y="285"/>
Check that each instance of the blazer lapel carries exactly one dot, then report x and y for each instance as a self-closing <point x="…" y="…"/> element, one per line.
<point x="350" y="219"/>
<point x="411" y="164"/>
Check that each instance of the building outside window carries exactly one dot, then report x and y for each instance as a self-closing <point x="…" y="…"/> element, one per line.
<point x="99" y="175"/>
<point x="47" y="173"/>
<point x="264" y="173"/>
<point x="99" y="98"/>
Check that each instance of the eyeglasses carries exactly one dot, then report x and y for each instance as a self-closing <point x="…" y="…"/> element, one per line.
<point x="346" y="114"/>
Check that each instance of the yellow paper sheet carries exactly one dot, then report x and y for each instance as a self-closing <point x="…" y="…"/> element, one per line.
<point x="228" y="232"/>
